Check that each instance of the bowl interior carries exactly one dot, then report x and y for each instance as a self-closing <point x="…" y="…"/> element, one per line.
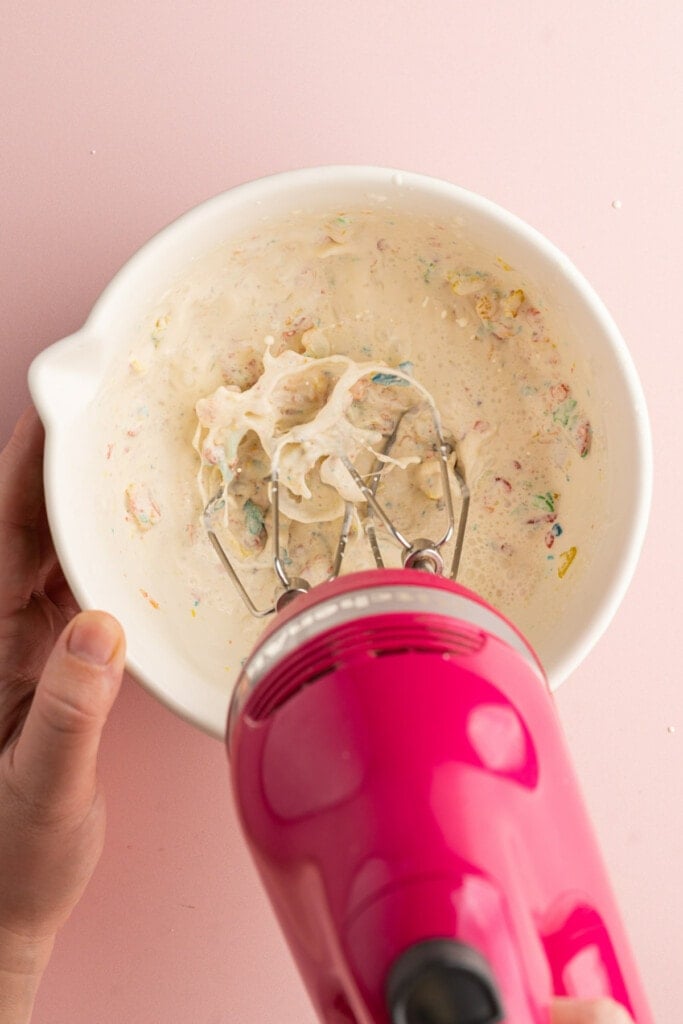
<point x="195" y="677"/>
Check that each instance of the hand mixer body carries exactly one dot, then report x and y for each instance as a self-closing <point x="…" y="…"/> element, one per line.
<point x="407" y="795"/>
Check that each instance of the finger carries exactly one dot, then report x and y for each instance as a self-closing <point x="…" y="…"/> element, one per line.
<point x="588" y="1011"/>
<point x="21" y="512"/>
<point x="59" y="592"/>
<point x="21" y="471"/>
<point x="54" y="762"/>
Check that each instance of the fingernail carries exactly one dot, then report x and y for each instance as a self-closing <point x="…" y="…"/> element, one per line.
<point x="94" y="638"/>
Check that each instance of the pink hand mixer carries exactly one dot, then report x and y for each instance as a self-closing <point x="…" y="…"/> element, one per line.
<point x="406" y="792"/>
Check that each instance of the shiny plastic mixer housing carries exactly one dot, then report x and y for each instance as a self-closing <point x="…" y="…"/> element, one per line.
<point x="407" y="795"/>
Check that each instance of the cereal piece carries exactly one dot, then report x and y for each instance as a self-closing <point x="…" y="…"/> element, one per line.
<point x="388" y="379"/>
<point x="141" y="507"/>
<point x="566" y="559"/>
<point x="253" y="520"/>
<point x="429" y="268"/>
<point x="584" y="438"/>
<point x="549" y="517"/>
<point x="499" y="317"/>
<point x="428" y="478"/>
<point x="534" y="320"/>
<point x="558" y="393"/>
<point x="336" y="233"/>
<point x="546" y="501"/>
<point x="486" y="307"/>
<point x="535" y="520"/>
<point x="564" y="414"/>
<point x="466" y="283"/>
<point x="554" y="531"/>
<point x="512" y="302"/>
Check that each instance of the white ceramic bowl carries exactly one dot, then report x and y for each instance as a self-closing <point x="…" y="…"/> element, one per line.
<point x="65" y="379"/>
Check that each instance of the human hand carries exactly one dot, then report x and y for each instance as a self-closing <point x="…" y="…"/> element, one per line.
<point x="588" y="1011"/>
<point x="59" y="677"/>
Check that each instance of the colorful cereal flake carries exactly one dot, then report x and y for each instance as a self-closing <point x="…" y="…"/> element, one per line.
<point x="467" y="282"/>
<point x="141" y="507"/>
<point x="253" y="517"/>
<point x="567" y="414"/>
<point x="584" y="438"/>
<point x="554" y="532"/>
<point x="566" y="559"/>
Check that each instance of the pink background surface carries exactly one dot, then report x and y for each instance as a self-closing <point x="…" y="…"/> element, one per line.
<point x="117" y="118"/>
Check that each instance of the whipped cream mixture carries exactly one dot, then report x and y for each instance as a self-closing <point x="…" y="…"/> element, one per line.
<point x="323" y="428"/>
<point x="306" y="341"/>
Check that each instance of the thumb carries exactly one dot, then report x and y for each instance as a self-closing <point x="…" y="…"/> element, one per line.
<point x="588" y="1011"/>
<point x="55" y="758"/>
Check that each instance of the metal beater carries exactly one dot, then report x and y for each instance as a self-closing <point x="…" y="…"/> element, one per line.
<point x="421" y="553"/>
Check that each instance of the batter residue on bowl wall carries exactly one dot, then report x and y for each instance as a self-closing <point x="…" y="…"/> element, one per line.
<point x="375" y="286"/>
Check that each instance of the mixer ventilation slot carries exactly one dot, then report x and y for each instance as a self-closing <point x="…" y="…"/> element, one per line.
<point x="324" y="655"/>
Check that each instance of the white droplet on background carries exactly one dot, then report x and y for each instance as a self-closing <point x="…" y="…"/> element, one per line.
<point x="671" y="729"/>
<point x="616" y="204"/>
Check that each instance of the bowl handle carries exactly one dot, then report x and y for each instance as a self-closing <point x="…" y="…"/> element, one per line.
<point x="64" y="378"/>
